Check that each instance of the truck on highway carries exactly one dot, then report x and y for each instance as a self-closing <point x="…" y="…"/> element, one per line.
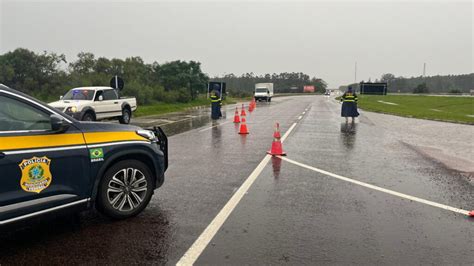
<point x="263" y="92"/>
<point x="51" y="162"/>
<point x="96" y="103"/>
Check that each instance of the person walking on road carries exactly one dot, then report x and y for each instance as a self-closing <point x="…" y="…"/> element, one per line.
<point x="349" y="105"/>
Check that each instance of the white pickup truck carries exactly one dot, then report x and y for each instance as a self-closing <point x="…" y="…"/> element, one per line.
<point x="96" y="103"/>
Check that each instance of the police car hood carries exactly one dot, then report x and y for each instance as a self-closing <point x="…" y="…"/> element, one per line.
<point x="104" y="127"/>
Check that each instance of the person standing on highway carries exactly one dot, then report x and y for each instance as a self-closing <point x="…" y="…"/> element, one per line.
<point x="349" y="105"/>
<point x="215" y="105"/>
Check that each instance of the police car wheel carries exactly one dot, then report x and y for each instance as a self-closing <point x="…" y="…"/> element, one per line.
<point x="125" y="190"/>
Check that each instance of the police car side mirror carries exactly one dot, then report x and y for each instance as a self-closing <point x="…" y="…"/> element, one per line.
<point x="58" y="124"/>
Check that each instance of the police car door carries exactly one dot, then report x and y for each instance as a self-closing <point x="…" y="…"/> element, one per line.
<point x="40" y="170"/>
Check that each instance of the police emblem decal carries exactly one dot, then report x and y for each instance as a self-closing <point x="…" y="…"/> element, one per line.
<point x="35" y="174"/>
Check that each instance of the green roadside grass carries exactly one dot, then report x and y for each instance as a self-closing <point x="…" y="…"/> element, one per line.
<point x="450" y="109"/>
<point x="163" y="108"/>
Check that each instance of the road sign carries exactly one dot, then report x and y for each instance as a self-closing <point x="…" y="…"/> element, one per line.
<point x="117" y="83"/>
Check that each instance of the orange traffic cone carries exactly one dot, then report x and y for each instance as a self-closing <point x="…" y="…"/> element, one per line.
<point x="254" y="103"/>
<point x="242" y="113"/>
<point x="236" y="116"/>
<point x="276" y="134"/>
<point x="243" y="126"/>
<point x="277" y="148"/>
<point x="250" y="107"/>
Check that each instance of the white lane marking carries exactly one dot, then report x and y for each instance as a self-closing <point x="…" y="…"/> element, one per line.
<point x="203" y="240"/>
<point x="288" y="132"/>
<point x="152" y="121"/>
<point x="177" y="121"/>
<point x="388" y="191"/>
<point x="303" y="113"/>
<point x="167" y="123"/>
<point x="207" y="128"/>
<point x="299" y="117"/>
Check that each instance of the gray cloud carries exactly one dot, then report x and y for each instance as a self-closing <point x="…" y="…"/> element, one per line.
<point x="323" y="39"/>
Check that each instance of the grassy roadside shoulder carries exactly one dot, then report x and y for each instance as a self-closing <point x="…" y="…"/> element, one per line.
<point x="449" y="109"/>
<point x="163" y="108"/>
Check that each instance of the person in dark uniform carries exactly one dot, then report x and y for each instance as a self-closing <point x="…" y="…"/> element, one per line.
<point x="349" y="105"/>
<point x="220" y="103"/>
<point x="215" y="105"/>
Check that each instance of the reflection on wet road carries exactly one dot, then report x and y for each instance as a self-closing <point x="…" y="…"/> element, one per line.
<point x="290" y="215"/>
<point x="176" y="123"/>
<point x="348" y="134"/>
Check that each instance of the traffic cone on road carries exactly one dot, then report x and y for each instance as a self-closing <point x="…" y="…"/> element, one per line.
<point x="250" y="107"/>
<point x="254" y="103"/>
<point x="236" y="115"/>
<point x="243" y="126"/>
<point x="242" y="113"/>
<point x="277" y="148"/>
<point x="276" y="134"/>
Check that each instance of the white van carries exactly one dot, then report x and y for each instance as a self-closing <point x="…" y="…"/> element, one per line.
<point x="263" y="91"/>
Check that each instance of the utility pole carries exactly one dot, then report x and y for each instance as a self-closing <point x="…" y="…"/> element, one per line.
<point x="424" y="69"/>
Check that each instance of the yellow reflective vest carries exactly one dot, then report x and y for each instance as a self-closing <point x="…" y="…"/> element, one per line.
<point x="214" y="99"/>
<point x="349" y="97"/>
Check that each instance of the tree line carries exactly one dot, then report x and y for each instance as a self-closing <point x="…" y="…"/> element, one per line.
<point x="434" y="84"/>
<point x="293" y="82"/>
<point x="48" y="75"/>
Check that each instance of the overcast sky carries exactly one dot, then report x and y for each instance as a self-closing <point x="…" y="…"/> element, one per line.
<point x="322" y="39"/>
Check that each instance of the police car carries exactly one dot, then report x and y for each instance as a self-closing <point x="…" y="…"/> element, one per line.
<point x="51" y="162"/>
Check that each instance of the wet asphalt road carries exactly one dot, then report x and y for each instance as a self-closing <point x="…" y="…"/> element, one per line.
<point x="290" y="215"/>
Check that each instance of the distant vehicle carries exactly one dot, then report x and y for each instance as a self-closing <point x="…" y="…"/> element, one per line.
<point x="96" y="103"/>
<point x="54" y="162"/>
<point x="263" y="91"/>
<point x="309" y="89"/>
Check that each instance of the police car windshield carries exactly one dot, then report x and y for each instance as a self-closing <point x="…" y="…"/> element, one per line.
<point x="76" y="94"/>
<point x="261" y="90"/>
